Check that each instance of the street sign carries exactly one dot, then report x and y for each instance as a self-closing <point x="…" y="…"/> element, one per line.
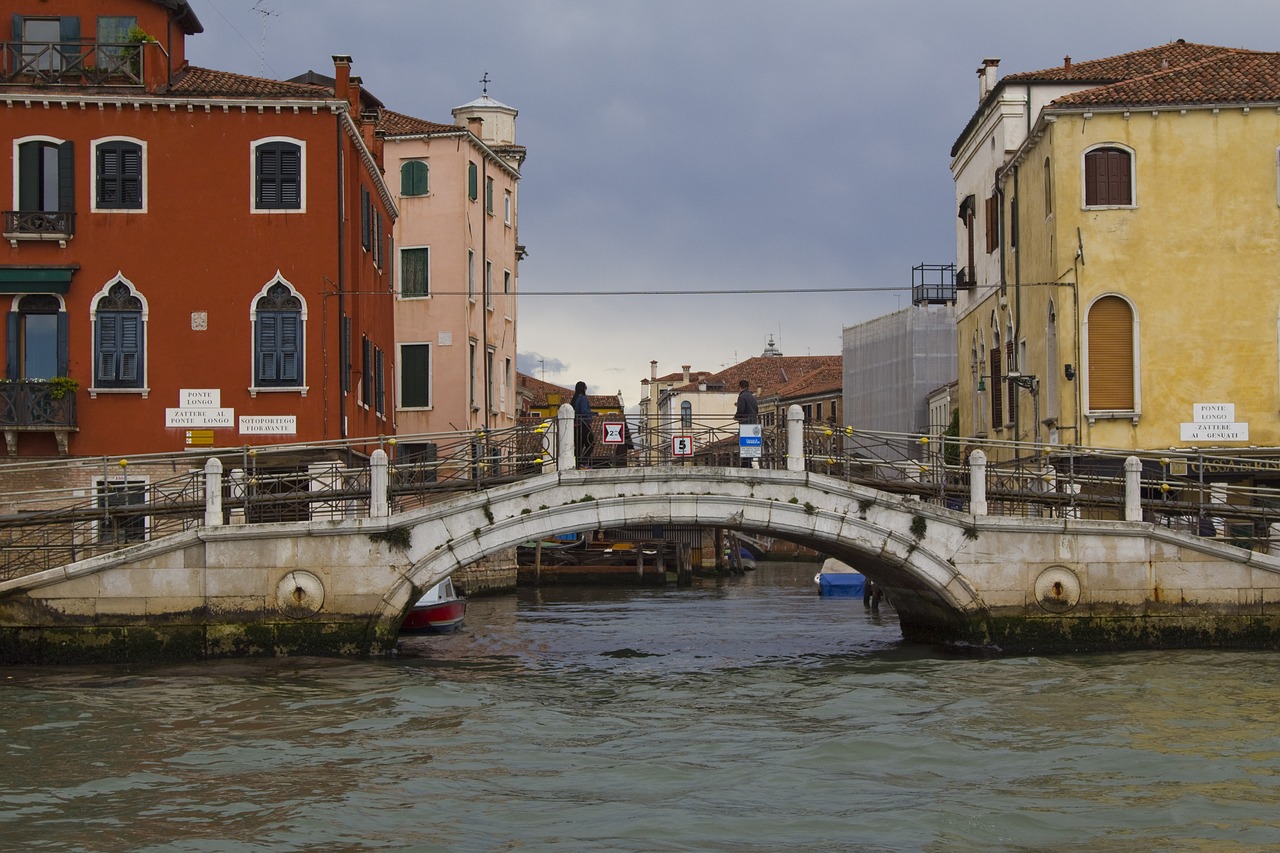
<point x="200" y="438"/>
<point x="613" y="433"/>
<point x="750" y="440"/>
<point x="681" y="445"/>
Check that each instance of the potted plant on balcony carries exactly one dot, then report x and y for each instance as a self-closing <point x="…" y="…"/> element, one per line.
<point x="132" y="54"/>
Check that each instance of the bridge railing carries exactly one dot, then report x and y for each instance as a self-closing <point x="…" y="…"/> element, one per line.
<point x="112" y="503"/>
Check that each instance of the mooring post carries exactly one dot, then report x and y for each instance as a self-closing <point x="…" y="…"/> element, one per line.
<point x="795" y="438"/>
<point x="978" y="483"/>
<point x="566" y="459"/>
<point x="379" y="499"/>
<point x="213" y="492"/>
<point x="1133" y="489"/>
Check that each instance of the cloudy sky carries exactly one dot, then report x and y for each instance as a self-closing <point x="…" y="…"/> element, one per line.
<point x="695" y="165"/>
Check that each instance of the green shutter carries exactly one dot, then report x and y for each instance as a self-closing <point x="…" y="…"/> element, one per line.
<point x="473" y="190"/>
<point x="66" y="179"/>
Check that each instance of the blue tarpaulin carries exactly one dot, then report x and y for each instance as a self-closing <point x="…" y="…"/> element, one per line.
<point x="841" y="583"/>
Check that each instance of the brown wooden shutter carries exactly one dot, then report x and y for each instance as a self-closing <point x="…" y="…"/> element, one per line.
<point x="993" y="223"/>
<point x="1110" y="355"/>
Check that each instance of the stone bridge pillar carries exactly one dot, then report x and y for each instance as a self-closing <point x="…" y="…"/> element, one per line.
<point x="379" y="505"/>
<point x="795" y="439"/>
<point x="213" y="492"/>
<point x="566" y="459"/>
<point x="1133" y="489"/>
<point x="978" y="483"/>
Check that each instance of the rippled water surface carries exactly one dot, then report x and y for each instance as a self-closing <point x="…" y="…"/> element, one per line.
<point x="745" y="715"/>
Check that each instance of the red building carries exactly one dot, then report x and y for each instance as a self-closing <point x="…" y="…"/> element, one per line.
<point x="205" y="256"/>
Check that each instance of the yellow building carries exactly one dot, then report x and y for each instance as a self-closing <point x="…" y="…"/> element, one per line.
<point x="1119" y="246"/>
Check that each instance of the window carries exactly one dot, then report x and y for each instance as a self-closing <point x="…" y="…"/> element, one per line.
<point x="278" y="175"/>
<point x="366" y="371"/>
<point x="377" y="239"/>
<point x="1110" y="338"/>
<point x="36" y="345"/>
<point x="471" y="376"/>
<point x="277" y="341"/>
<point x="113" y="38"/>
<point x="471" y="275"/>
<point x="488" y="284"/>
<point x="506" y="206"/>
<point x="118" y="338"/>
<point x="48" y="44"/>
<point x="46" y="189"/>
<point x="967" y="276"/>
<point x="490" y="376"/>
<point x="414" y="178"/>
<point x="415" y="376"/>
<point x="415" y="272"/>
<point x="993" y="223"/>
<point x="118" y="523"/>
<point x="488" y="195"/>
<point x="1108" y="177"/>
<point x="117" y="176"/>
<point x="686" y="414"/>
<point x="344" y="346"/>
<point x="379" y="383"/>
<point x="366" y="209"/>
<point x="506" y="281"/>
<point x="1048" y="189"/>
<point x="473" y="186"/>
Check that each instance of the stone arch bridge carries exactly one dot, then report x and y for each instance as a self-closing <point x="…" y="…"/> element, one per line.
<point x="343" y="587"/>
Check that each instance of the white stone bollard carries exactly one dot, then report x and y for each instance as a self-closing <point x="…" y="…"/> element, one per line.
<point x="379" y="499"/>
<point x="795" y="439"/>
<point x="566" y="458"/>
<point x="213" y="492"/>
<point x="1133" y="489"/>
<point x="978" y="483"/>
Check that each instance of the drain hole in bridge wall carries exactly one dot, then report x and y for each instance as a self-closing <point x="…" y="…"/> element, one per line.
<point x="1057" y="589"/>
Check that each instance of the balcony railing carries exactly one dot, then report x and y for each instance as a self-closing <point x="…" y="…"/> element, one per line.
<point x="36" y="405"/>
<point x="39" y="224"/>
<point x="933" y="284"/>
<point x="71" y="63"/>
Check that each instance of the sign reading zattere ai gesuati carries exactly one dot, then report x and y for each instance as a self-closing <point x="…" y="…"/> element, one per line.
<point x="1214" y="422"/>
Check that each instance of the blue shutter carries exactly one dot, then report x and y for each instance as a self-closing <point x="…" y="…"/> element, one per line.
<point x="130" y="349"/>
<point x="107" y="349"/>
<point x="69" y="35"/>
<point x="290" y="349"/>
<point x="63" y="339"/>
<point x="17" y="27"/>
<point x="364" y="217"/>
<point x="268" y="344"/>
<point x="12" y="334"/>
<point x="29" y="176"/>
<point x="66" y="179"/>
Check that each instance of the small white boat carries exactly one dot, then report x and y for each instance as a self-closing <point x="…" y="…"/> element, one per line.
<point x="439" y="611"/>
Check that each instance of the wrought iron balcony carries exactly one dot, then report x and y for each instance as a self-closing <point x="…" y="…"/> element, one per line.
<point x="37" y="406"/>
<point x="70" y="64"/>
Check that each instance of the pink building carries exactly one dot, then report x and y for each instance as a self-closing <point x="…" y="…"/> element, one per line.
<point x="457" y="256"/>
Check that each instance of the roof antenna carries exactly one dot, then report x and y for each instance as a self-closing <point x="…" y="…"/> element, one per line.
<point x="265" y="13"/>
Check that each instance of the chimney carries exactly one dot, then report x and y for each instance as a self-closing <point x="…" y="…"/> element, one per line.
<point x="685" y="368"/>
<point x="475" y="124"/>
<point x="353" y="95"/>
<point x="342" y="76"/>
<point x="988" y="76"/>
<point x="653" y="370"/>
<point x="1066" y="64"/>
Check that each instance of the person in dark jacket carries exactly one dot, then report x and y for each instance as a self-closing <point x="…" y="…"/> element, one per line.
<point x="747" y="412"/>
<point x="584" y="438"/>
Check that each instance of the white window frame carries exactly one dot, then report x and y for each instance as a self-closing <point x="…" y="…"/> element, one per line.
<point x="93" y="175"/>
<point x="255" y="389"/>
<point x="1133" y="177"/>
<point x="145" y="390"/>
<point x="302" y="179"/>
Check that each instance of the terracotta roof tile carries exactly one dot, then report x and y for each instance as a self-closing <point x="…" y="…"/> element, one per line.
<point x="398" y="124"/>
<point x="539" y="391"/>
<point x="1233" y="77"/>
<point x="1126" y="66"/>
<point x="195" y="82"/>
<point x="824" y="380"/>
<point x="766" y="374"/>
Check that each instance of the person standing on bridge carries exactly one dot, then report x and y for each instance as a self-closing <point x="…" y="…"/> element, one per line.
<point x="584" y="439"/>
<point x="747" y="412"/>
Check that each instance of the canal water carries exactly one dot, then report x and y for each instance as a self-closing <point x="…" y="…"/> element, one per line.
<point x="745" y="714"/>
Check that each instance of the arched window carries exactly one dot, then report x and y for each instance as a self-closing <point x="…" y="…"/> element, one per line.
<point x="1108" y="177"/>
<point x="119" y="342"/>
<point x="277" y="340"/>
<point x="413" y="178"/>
<point x="1048" y="189"/>
<point x="686" y="414"/>
<point x="1111" y="356"/>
